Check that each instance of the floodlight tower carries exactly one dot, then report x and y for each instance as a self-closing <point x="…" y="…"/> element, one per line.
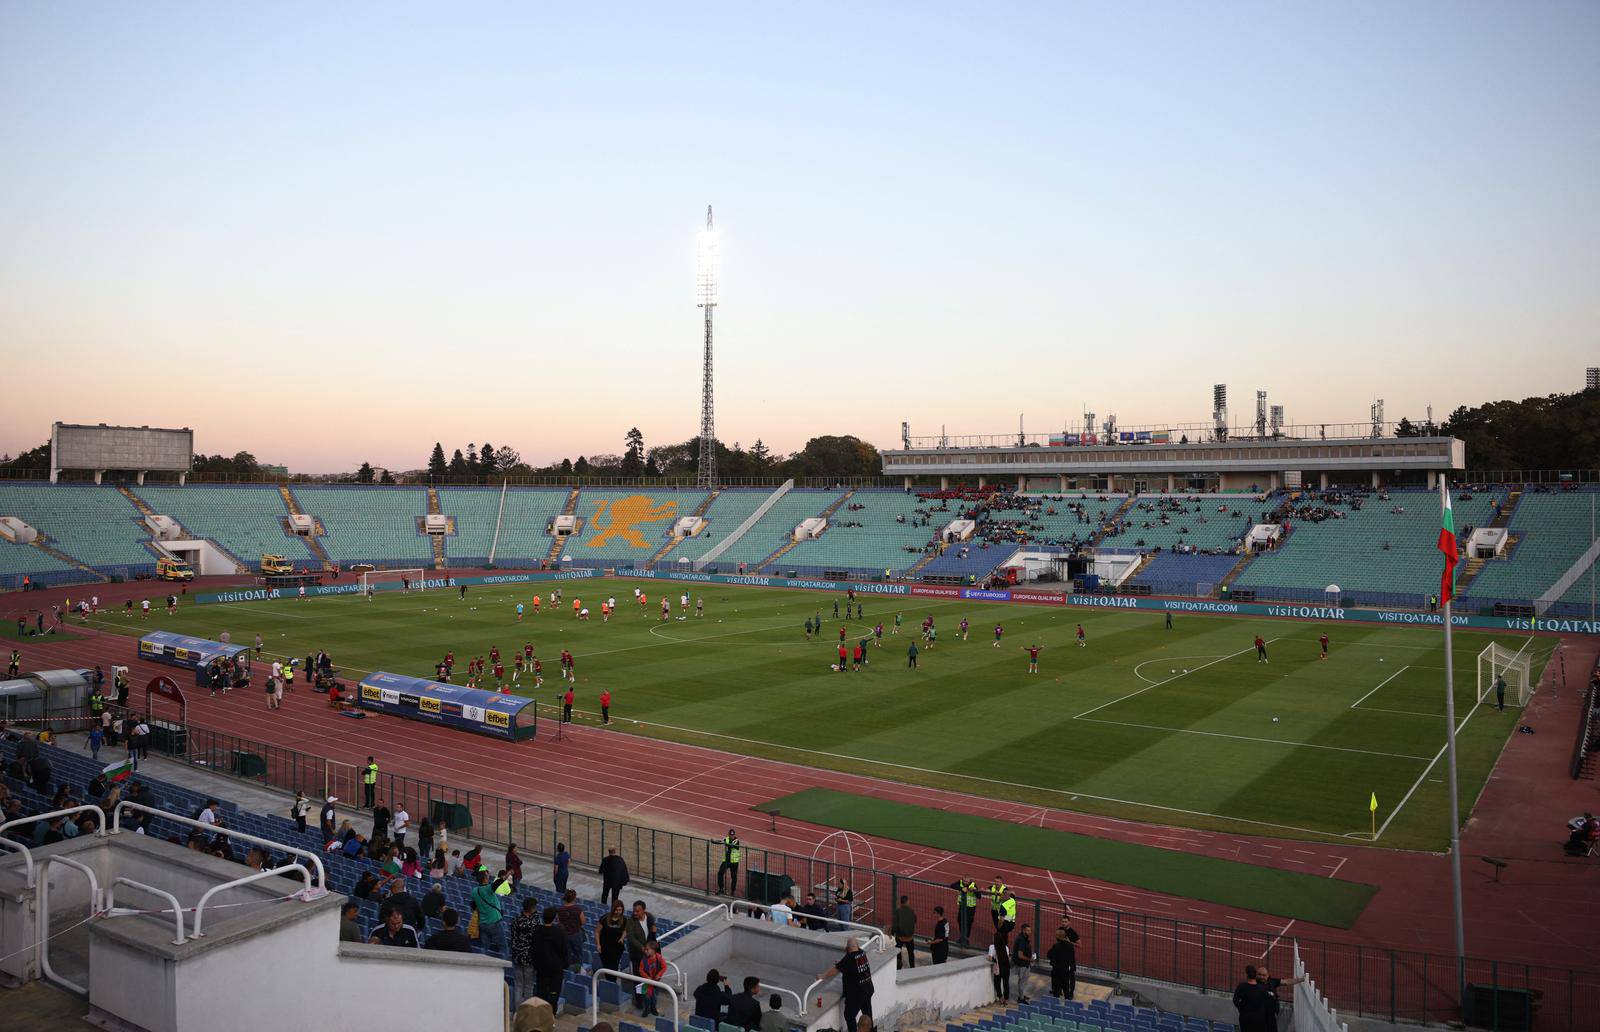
<point x="1261" y="413"/>
<point x="1277" y="420"/>
<point x="708" y="257"/>
<point x="1219" y="411"/>
<point x="1377" y="418"/>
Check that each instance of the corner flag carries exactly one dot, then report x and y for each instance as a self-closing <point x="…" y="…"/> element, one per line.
<point x="1447" y="545"/>
<point x="1373" y="806"/>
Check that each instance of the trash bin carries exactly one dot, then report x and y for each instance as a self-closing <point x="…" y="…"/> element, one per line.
<point x="450" y="816"/>
<point x="767" y="888"/>
<point x="246" y="764"/>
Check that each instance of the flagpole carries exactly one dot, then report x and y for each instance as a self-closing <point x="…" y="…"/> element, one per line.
<point x="1450" y="767"/>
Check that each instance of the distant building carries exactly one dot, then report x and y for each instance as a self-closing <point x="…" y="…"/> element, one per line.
<point x="1592" y="379"/>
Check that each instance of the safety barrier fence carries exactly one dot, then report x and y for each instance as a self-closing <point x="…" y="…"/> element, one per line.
<point x="1364" y="980"/>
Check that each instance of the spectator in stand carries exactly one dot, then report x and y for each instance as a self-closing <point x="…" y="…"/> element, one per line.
<point x="381" y="816"/>
<point x="772" y="1019"/>
<point x="526" y="979"/>
<point x="653" y="967"/>
<point x="449" y="938"/>
<point x="325" y="819"/>
<point x="559" y="867"/>
<point x="425" y="836"/>
<point x="491" y="926"/>
<point x="514" y="865"/>
<point x="904" y="929"/>
<point x="571" y="921"/>
<point x="1064" y="961"/>
<point x="610" y="937"/>
<point x="855" y="975"/>
<point x="433" y="903"/>
<point x="550" y="959"/>
<point x="439" y="866"/>
<point x="613" y="876"/>
<point x="1000" y="966"/>
<point x="349" y="931"/>
<point x="1251" y="1002"/>
<point x="815" y="916"/>
<point x="1270" y="986"/>
<point x="712" y="997"/>
<point x="939" y="945"/>
<point x="394" y="932"/>
<point x="744" y="1010"/>
<point x="1022" y="961"/>
<point x="641" y="929"/>
<point x="401" y="899"/>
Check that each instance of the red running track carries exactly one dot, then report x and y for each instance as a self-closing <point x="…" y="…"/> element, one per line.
<point x="1544" y="910"/>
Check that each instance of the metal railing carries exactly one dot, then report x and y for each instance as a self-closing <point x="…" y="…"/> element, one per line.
<point x="594" y="992"/>
<point x="1364" y="980"/>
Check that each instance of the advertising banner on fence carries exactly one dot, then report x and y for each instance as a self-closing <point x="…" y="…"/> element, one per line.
<point x="1284" y="610"/>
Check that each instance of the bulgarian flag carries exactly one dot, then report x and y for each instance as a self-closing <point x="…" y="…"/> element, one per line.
<point x="118" y="771"/>
<point x="1447" y="545"/>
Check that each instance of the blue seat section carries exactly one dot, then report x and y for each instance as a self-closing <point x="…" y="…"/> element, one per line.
<point x="624" y="526"/>
<point x="974" y="559"/>
<point x="1048" y="1014"/>
<point x="727" y="510"/>
<point x="524" y="527"/>
<point x="1175" y="573"/>
<point x="370" y="524"/>
<point x="76" y="769"/>
<point x="773" y="530"/>
<point x="247" y="520"/>
<point x="94" y="524"/>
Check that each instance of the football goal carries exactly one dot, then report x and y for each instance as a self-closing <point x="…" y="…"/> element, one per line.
<point x="406" y="580"/>
<point x="1496" y="662"/>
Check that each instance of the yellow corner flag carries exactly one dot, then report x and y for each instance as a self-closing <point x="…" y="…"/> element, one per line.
<point x="1373" y="806"/>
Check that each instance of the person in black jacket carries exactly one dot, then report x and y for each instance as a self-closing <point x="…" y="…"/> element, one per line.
<point x="1063" y="958"/>
<point x="1250" y="999"/>
<point x="549" y="959"/>
<point x="613" y="876"/>
<point x="712" y="996"/>
<point x="449" y="938"/>
<point x="745" y="1010"/>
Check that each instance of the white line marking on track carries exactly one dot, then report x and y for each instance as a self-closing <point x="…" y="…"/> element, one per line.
<point x="696" y="776"/>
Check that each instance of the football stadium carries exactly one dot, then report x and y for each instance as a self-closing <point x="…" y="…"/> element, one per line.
<point x="1204" y="720"/>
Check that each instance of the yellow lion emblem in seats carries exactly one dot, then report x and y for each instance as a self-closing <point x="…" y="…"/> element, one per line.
<point x="627" y="515"/>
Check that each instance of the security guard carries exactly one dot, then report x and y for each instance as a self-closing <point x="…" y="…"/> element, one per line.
<point x="369" y="783"/>
<point x="966" y="907"/>
<point x="1008" y="914"/>
<point x="730" y="860"/>
<point x="997" y="888"/>
<point x="97" y="704"/>
<point x="16" y="664"/>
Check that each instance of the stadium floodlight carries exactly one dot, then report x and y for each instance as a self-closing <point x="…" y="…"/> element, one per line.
<point x="1261" y="413"/>
<point x="708" y="259"/>
<point x="1377" y="418"/>
<point x="1219" y="411"/>
<point x="1277" y="420"/>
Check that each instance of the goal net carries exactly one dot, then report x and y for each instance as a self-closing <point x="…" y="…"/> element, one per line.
<point x="1498" y="662"/>
<point x="404" y="580"/>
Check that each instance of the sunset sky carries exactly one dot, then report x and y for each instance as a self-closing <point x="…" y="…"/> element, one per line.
<point x="329" y="233"/>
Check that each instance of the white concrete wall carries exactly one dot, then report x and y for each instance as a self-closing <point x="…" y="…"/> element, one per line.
<point x="13" y="529"/>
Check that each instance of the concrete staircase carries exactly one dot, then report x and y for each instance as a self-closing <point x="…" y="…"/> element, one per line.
<point x="1233" y="574"/>
<point x="1121" y="511"/>
<point x="911" y="574"/>
<point x="825" y="514"/>
<point x="293" y="505"/>
<point x="138" y="503"/>
<point x="437" y="540"/>
<point x="1502" y="518"/>
<point x="557" y="544"/>
<point x="700" y="510"/>
<point x="49" y="550"/>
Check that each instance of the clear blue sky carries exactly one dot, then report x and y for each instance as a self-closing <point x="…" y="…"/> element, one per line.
<point x="935" y="212"/>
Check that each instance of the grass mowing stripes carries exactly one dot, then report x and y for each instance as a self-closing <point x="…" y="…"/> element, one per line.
<point x="1268" y="890"/>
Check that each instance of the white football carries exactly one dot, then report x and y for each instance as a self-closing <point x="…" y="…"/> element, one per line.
<point x="1274" y="720"/>
<point x="1171" y="671"/>
<point x="1380" y="659"/>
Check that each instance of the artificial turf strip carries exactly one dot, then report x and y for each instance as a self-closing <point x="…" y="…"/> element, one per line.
<point x="1268" y="890"/>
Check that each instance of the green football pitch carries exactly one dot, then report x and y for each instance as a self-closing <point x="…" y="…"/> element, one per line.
<point x="1181" y="726"/>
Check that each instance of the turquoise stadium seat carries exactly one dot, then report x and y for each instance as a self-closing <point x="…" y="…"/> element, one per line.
<point x="626" y="526"/>
<point x="17" y="561"/>
<point x="773" y="530"/>
<point x="247" y="520"/>
<point x="523" y="527"/>
<point x="727" y="510"/>
<point x="95" y="524"/>
<point x="1552" y="532"/>
<point x="370" y="524"/>
<point x="1350" y="551"/>
<point x="1199" y="524"/>
<point x="880" y="543"/>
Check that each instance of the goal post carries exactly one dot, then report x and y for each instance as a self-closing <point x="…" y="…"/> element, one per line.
<point x="1495" y="662"/>
<point x="412" y="579"/>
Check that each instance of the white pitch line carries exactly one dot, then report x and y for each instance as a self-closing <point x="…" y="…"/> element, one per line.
<point x="1248" y="738"/>
<point x="1385" y="681"/>
<point x="1174" y="677"/>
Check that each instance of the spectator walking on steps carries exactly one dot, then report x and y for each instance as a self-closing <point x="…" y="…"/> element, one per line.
<point x="1064" y="961"/>
<point x="613" y="876"/>
<point x="1000" y="966"/>
<point x="855" y="976"/>
<point x="904" y="929"/>
<point x="610" y="935"/>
